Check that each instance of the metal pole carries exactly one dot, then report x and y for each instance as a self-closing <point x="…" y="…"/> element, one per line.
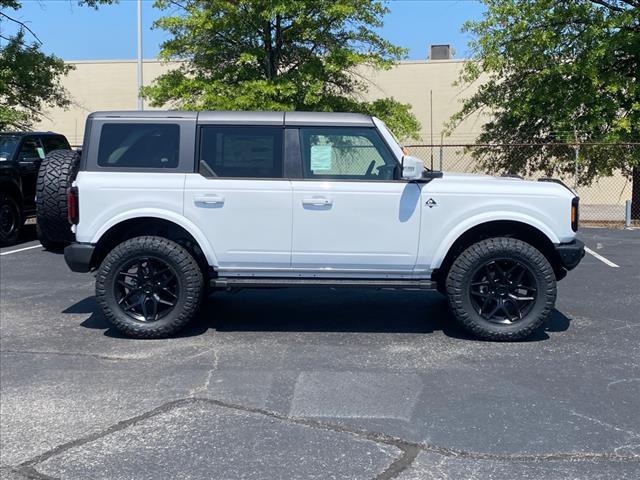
<point x="627" y="214"/>
<point x="431" y="121"/>
<point x="441" y="149"/>
<point x="140" y="100"/>
<point x="576" y="173"/>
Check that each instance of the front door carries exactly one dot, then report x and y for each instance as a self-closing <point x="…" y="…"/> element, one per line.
<point x="350" y="213"/>
<point x="240" y="198"/>
<point x="30" y="157"/>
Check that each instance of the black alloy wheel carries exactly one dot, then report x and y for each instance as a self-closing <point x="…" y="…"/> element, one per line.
<point x="146" y="289"/>
<point x="10" y="220"/>
<point x="503" y="290"/>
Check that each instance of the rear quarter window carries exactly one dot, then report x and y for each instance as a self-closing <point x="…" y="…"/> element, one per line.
<point x="139" y="145"/>
<point x="54" y="143"/>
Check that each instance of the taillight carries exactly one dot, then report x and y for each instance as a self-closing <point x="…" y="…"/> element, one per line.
<point x="72" y="205"/>
<point x="575" y="213"/>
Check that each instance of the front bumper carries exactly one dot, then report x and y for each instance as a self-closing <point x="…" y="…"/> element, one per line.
<point x="78" y="256"/>
<point x="569" y="254"/>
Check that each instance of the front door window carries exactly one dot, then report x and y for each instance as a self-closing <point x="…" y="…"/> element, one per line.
<point x="346" y="154"/>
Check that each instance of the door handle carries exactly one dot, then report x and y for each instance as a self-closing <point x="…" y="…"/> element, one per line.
<point x="317" y="202"/>
<point x="209" y="200"/>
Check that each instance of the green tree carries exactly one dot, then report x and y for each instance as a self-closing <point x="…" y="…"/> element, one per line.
<point x="555" y="72"/>
<point x="29" y="78"/>
<point x="276" y="55"/>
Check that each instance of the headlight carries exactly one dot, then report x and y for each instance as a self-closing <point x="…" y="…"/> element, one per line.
<point x="575" y="213"/>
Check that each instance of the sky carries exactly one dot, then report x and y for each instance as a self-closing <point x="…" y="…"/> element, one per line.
<point x="82" y="33"/>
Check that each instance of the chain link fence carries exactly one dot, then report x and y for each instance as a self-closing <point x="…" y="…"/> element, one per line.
<point x="603" y="200"/>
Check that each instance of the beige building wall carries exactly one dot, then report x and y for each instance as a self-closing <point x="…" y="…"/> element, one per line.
<point x="98" y="85"/>
<point x="112" y="85"/>
<point x="428" y="86"/>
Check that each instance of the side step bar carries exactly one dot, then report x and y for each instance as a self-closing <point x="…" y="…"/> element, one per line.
<point x="244" y="282"/>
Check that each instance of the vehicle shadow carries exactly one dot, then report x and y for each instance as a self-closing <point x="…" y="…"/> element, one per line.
<point x="320" y="310"/>
<point x="27" y="234"/>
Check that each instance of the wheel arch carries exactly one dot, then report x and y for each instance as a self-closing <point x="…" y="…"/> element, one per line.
<point x="540" y="238"/>
<point x="123" y="229"/>
<point x="12" y="188"/>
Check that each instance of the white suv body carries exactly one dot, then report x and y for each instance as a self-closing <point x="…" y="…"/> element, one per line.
<point x="272" y="198"/>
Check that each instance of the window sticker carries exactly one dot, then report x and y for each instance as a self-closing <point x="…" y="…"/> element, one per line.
<point x="40" y="151"/>
<point x="320" y="158"/>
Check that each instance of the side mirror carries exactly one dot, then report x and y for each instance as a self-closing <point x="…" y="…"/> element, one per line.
<point x="412" y="168"/>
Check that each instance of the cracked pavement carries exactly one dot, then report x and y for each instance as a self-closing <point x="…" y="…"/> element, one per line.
<point x="320" y="383"/>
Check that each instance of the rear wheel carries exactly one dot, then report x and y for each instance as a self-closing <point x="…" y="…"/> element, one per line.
<point x="501" y="289"/>
<point x="57" y="172"/>
<point x="10" y="220"/>
<point x="149" y="287"/>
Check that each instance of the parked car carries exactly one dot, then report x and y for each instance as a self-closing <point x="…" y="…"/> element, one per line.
<point x="167" y="205"/>
<point x="21" y="154"/>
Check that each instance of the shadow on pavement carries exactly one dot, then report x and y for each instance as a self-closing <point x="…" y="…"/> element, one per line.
<point x="313" y="310"/>
<point x="27" y="234"/>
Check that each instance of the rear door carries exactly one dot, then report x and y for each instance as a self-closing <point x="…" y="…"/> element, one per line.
<point x="350" y="212"/>
<point x="240" y="198"/>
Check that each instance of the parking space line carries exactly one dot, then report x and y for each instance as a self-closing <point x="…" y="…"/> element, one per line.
<point x="20" y="250"/>
<point x="601" y="258"/>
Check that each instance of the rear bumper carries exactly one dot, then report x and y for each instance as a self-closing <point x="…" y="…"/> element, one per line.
<point x="570" y="253"/>
<point x="78" y="256"/>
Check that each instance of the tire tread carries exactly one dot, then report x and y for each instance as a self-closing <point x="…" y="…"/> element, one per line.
<point x="56" y="174"/>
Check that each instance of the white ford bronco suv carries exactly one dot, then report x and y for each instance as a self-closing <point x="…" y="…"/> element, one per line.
<point x="168" y="204"/>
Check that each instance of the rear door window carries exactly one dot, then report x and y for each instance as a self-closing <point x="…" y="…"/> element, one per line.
<point x="139" y="145"/>
<point x="241" y="152"/>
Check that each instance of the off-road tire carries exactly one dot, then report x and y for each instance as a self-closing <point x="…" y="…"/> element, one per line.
<point x="459" y="285"/>
<point x="187" y="271"/>
<point x="11" y="208"/>
<point x="49" y="244"/>
<point x="57" y="172"/>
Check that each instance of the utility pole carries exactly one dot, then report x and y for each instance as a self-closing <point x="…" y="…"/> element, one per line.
<point x="140" y="100"/>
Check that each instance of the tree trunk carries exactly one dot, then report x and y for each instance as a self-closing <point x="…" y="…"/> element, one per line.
<point x="635" y="194"/>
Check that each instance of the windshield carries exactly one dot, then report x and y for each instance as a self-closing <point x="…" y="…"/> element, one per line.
<point x="8" y="144"/>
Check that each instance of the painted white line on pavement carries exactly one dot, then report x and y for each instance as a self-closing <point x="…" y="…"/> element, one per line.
<point x="20" y="250"/>
<point x="601" y="258"/>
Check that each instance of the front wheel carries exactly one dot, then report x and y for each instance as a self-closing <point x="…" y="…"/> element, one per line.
<point x="149" y="287"/>
<point x="501" y="289"/>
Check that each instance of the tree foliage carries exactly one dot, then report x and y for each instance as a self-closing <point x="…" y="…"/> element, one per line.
<point x="276" y="55"/>
<point x="556" y="72"/>
<point x="29" y="78"/>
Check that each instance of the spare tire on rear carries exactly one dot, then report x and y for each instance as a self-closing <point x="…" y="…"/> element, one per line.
<point x="57" y="172"/>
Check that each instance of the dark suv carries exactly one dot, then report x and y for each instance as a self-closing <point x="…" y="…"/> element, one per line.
<point x="20" y="156"/>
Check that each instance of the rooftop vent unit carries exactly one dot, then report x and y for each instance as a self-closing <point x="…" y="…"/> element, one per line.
<point x="441" y="52"/>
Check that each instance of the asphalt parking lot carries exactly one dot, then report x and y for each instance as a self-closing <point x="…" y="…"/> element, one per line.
<point x="320" y="384"/>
